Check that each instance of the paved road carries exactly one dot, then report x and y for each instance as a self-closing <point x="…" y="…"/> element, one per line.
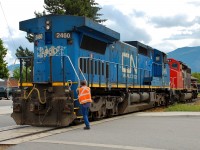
<point x="6" y="120"/>
<point x="5" y="102"/>
<point x="5" y="111"/>
<point x="133" y="132"/>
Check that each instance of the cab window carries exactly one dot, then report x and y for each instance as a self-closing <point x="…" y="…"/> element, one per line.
<point x="157" y="58"/>
<point x="175" y="66"/>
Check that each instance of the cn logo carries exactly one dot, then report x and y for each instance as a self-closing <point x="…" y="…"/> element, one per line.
<point x="130" y="65"/>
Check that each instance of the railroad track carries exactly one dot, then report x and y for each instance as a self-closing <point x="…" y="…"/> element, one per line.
<point x="17" y="132"/>
<point x="11" y="128"/>
<point x="14" y="135"/>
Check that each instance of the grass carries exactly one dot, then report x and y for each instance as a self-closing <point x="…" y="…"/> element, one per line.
<point x="184" y="107"/>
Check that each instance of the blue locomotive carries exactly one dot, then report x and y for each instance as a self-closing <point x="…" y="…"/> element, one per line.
<point x="123" y="76"/>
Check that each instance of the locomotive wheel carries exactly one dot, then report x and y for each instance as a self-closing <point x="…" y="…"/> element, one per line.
<point x="95" y="116"/>
<point x="102" y="112"/>
<point x="109" y="113"/>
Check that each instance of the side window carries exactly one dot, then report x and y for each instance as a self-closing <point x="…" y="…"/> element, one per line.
<point x="157" y="57"/>
<point x="143" y="51"/>
<point x="175" y="66"/>
<point x="93" y="44"/>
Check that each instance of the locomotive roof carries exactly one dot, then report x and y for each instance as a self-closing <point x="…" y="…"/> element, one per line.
<point x="79" y="23"/>
<point x="184" y="64"/>
<point x="137" y="44"/>
<point x="160" y="51"/>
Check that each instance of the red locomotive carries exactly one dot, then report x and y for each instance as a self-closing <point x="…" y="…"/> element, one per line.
<point x="180" y="81"/>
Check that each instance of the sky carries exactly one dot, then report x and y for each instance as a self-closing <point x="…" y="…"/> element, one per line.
<point x="162" y="24"/>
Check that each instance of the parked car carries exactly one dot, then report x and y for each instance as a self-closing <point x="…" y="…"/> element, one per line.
<point x="2" y="92"/>
<point x="5" y="92"/>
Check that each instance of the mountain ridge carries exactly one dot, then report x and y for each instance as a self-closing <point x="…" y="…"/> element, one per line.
<point x="188" y="55"/>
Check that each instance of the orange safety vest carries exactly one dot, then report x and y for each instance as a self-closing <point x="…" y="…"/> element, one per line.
<point x="84" y="95"/>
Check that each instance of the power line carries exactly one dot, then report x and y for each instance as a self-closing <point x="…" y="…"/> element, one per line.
<point x="14" y="46"/>
<point x="8" y="27"/>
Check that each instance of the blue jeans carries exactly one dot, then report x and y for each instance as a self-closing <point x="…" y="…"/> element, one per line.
<point x="84" y="109"/>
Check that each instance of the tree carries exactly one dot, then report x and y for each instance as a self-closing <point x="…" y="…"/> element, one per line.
<point x="55" y="6"/>
<point x="16" y="74"/>
<point x="87" y="8"/>
<point x="23" y="53"/>
<point x="3" y="64"/>
<point x="196" y="75"/>
<point x="39" y="14"/>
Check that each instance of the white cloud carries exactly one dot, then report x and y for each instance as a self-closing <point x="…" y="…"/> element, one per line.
<point x="13" y="12"/>
<point x="170" y="24"/>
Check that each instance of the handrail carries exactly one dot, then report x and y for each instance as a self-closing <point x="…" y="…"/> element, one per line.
<point x="111" y="63"/>
<point x="80" y="69"/>
<point x="118" y="64"/>
<point x="73" y="68"/>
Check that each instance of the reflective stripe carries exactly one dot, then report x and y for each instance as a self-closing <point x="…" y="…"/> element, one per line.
<point x="84" y="94"/>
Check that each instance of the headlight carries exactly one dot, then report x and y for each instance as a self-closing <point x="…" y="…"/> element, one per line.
<point x="48" y="25"/>
<point x="47" y="22"/>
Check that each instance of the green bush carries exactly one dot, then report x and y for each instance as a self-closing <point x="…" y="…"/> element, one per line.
<point x="183" y="107"/>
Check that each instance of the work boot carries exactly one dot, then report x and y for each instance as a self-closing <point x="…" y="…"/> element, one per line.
<point x="86" y="128"/>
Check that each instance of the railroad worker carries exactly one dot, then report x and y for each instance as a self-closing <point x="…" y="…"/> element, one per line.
<point x="84" y="97"/>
